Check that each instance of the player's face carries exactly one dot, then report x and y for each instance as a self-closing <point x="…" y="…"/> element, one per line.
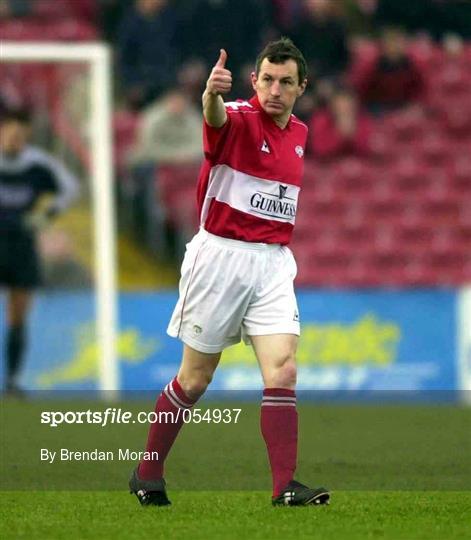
<point x="13" y="137"/>
<point x="277" y="88"/>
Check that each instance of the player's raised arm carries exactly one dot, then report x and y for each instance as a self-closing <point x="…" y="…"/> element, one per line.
<point x="219" y="82"/>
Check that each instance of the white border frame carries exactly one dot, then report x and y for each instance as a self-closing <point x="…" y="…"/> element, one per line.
<point x="98" y="56"/>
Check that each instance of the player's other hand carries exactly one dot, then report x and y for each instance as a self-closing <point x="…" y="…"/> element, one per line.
<point x="220" y="79"/>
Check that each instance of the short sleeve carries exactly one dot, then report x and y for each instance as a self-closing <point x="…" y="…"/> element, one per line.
<point x="215" y="140"/>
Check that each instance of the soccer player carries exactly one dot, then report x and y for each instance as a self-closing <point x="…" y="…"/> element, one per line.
<point x="26" y="174"/>
<point x="237" y="274"/>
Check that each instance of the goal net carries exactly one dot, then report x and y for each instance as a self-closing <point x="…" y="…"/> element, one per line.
<point x="72" y="324"/>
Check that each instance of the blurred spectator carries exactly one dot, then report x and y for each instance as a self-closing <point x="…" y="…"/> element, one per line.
<point x="285" y="15"/>
<point x="453" y="46"/>
<point x="436" y="17"/>
<point x="169" y="132"/>
<point x="191" y="79"/>
<point x="234" y="26"/>
<point x="110" y="14"/>
<point x="392" y="79"/>
<point x="15" y="8"/>
<point x="84" y="10"/>
<point x="341" y="129"/>
<point x="360" y="15"/>
<point x="146" y="50"/>
<point x="411" y="15"/>
<point x="453" y="16"/>
<point x="321" y="35"/>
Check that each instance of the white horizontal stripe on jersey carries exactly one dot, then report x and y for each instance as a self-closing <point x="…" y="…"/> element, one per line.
<point x="265" y="199"/>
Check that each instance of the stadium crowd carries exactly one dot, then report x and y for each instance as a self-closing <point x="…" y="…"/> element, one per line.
<point x="386" y="104"/>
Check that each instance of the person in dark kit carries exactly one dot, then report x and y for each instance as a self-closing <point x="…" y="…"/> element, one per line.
<point x="26" y="175"/>
<point x="322" y="35"/>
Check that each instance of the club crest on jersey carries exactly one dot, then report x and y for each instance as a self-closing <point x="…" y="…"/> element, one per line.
<point x="265" y="147"/>
<point x="299" y="151"/>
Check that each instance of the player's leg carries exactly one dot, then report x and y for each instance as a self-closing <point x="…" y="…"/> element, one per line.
<point x="276" y="355"/>
<point x="195" y="374"/>
<point x="18" y="304"/>
<point x="207" y="318"/>
<point x="272" y="323"/>
<point x="279" y="418"/>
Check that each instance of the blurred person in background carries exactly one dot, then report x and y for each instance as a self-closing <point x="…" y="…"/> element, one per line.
<point x="341" y="129"/>
<point x="26" y="175"/>
<point x="322" y="35"/>
<point x="169" y="132"/>
<point x="110" y="14"/>
<point x="392" y="80"/>
<point x="285" y="15"/>
<point x="146" y="49"/>
<point x="235" y="26"/>
<point x="412" y="15"/>
<point x="190" y="78"/>
<point x="437" y="17"/>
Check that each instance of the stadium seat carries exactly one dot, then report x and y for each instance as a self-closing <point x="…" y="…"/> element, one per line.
<point x="21" y="30"/>
<point x="433" y="149"/>
<point x="51" y="9"/>
<point x="382" y="147"/>
<point x="406" y="126"/>
<point x="452" y="80"/>
<point x="457" y="120"/>
<point x="441" y="212"/>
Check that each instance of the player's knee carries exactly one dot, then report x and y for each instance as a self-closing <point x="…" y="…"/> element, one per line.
<point x="194" y="385"/>
<point x="284" y="375"/>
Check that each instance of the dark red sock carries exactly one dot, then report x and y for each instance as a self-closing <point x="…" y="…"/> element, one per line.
<point x="163" y="434"/>
<point x="279" y="424"/>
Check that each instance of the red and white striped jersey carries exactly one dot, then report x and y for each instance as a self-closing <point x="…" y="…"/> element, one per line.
<point x="250" y="180"/>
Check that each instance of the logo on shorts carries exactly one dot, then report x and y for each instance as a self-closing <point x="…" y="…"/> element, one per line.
<point x="197" y="329"/>
<point x="299" y="151"/>
<point x="296" y="315"/>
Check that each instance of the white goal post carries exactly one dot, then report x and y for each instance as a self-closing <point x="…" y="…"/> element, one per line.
<point x="97" y="56"/>
<point x="464" y="342"/>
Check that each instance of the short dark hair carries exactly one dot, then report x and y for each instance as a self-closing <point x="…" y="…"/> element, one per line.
<point x="278" y="52"/>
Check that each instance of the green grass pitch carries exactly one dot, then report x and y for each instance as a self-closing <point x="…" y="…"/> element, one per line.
<point x="208" y="515"/>
<point x="395" y="471"/>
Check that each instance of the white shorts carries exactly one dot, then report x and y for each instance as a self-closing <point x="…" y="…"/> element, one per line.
<point x="230" y="290"/>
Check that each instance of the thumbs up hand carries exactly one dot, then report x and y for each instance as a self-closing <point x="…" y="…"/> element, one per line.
<point x="220" y="79"/>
